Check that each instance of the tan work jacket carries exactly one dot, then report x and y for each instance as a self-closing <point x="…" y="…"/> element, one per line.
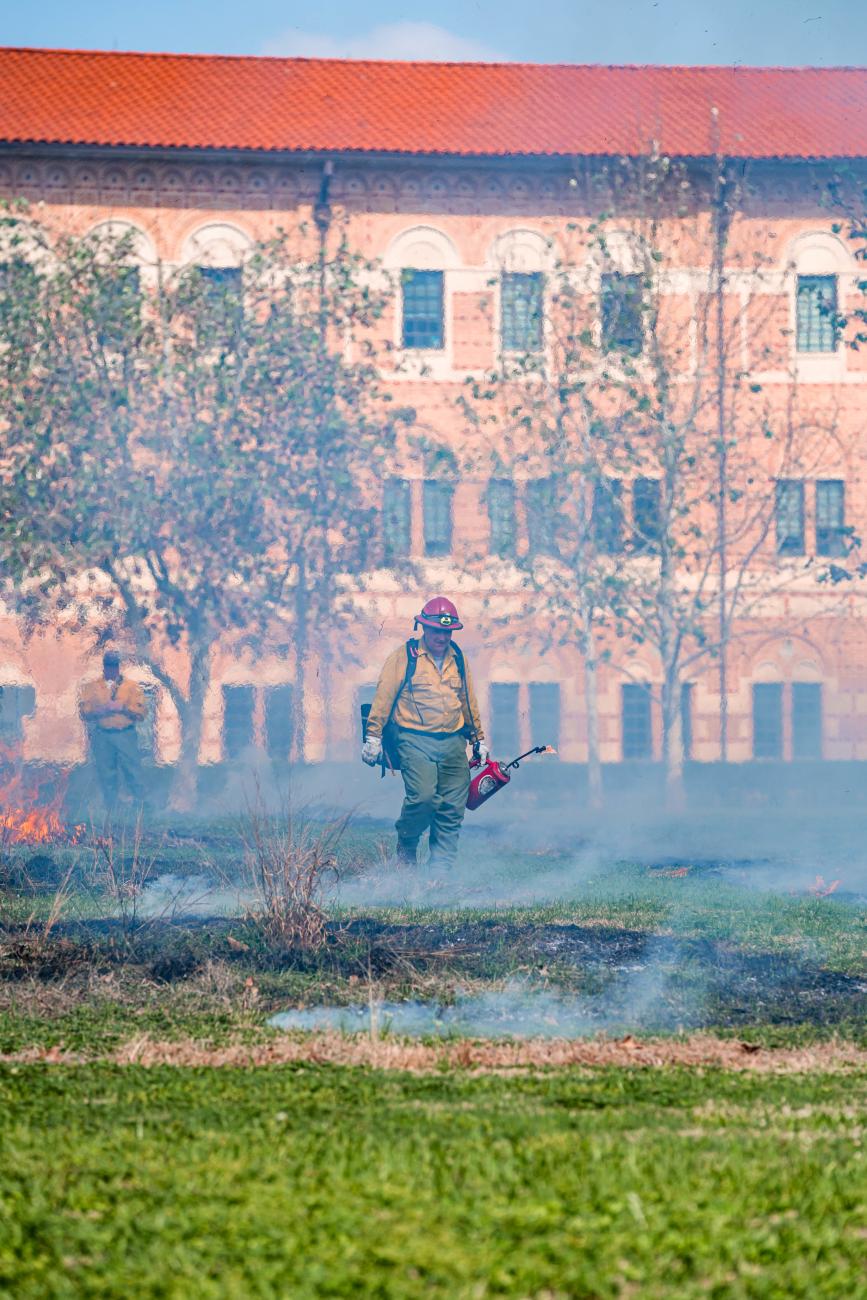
<point x="432" y="702"/>
<point x="96" y="694"/>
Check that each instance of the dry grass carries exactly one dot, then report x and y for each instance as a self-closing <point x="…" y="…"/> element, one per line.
<point x="287" y="862"/>
<point x="83" y="988"/>
<point x="699" y="1052"/>
<point x="120" y="871"/>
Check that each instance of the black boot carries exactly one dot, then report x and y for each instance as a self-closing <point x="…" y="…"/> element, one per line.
<point x="407" y="852"/>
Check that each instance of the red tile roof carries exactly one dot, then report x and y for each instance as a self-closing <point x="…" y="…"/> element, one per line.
<point x="325" y="105"/>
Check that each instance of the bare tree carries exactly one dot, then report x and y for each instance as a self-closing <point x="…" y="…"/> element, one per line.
<point x="661" y="450"/>
<point x="189" y="454"/>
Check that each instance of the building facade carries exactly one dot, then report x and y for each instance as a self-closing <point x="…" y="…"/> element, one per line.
<point x="470" y="179"/>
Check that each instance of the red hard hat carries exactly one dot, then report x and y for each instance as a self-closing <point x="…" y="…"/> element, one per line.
<point x="441" y="614"/>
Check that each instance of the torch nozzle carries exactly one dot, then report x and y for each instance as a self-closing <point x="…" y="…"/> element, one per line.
<point x="539" y="749"/>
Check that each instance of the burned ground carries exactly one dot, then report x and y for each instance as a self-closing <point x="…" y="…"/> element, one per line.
<point x="667" y="1028"/>
<point x="663" y="946"/>
<point x="698" y="983"/>
<point x="626" y="980"/>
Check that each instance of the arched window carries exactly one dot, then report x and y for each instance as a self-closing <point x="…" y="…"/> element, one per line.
<point x="421" y="257"/>
<point x="142" y="249"/>
<point x="521" y="259"/>
<point x="217" y="245"/>
<point x="820" y="265"/>
<point x="130" y="259"/>
<point x="217" y="251"/>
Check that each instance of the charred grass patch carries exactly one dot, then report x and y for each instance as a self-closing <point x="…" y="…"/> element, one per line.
<point x="221" y="978"/>
<point x="313" y="1180"/>
<point x="644" y="950"/>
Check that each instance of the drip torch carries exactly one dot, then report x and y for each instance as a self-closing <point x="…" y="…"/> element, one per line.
<point x="494" y="776"/>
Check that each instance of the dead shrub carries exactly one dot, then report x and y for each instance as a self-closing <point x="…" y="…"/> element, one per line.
<point x="287" y="863"/>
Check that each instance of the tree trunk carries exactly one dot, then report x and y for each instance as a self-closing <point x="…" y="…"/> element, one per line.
<point x="722" y="225"/>
<point x="186" y="783"/>
<point x="325" y="664"/>
<point x="301" y="650"/>
<point x="672" y="744"/>
<point x="591" y="698"/>
<point x="722" y="523"/>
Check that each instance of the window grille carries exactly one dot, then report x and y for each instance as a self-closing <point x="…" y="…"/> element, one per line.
<point x="423" y="309"/>
<point x="505" y="729"/>
<point x="17" y="284"/>
<point x="501" y="513"/>
<point x="118" y="305"/>
<point x="768" y="720"/>
<point x="830" y="517"/>
<point x="806" y="720"/>
<point x="279" y="721"/>
<point x="16" y="704"/>
<point x="223" y="304"/>
<point x="396" y="519"/>
<point x="817" y="313"/>
<point x="622" y="317"/>
<point x="437" y="517"/>
<point x="237" y="720"/>
<point x="220" y="283"/>
<point x="789" y="516"/>
<point x="545" y="713"/>
<point x="541" y="505"/>
<point x="608" y="516"/>
<point x="636" y="727"/>
<point x="147" y="728"/>
<point x="646" y="515"/>
<point x="521" y="304"/>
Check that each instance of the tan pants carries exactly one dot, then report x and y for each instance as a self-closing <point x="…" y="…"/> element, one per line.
<point x="436" y="775"/>
<point x="117" y="758"/>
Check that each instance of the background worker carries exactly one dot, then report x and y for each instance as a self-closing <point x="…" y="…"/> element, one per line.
<point x="111" y="706"/>
<point x="423" y="692"/>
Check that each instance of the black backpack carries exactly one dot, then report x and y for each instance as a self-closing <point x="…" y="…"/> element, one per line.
<point x="390" y="755"/>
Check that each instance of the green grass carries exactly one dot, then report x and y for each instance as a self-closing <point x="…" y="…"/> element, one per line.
<point x="319" y="1181"/>
<point x="314" y="1181"/>
<point x="96" y="1029"/>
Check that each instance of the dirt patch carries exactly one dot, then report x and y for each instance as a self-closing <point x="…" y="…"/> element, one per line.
<point x="699" y="1051"/>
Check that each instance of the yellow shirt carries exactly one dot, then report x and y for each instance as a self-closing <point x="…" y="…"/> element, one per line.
<point x="96" y="694"/>
<point x="433" y="700"/>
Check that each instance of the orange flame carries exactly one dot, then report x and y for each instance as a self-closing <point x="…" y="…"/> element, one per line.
<point x="23" y="819"/>
<point x="819" y="889"/>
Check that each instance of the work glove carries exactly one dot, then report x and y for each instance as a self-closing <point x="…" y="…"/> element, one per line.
<point x="371" y="750"/>
<point x="481" y="751"/>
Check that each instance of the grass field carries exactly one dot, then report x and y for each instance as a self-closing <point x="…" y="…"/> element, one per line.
<point x="316" y="1181"/>
<point x="138" y="1157"/>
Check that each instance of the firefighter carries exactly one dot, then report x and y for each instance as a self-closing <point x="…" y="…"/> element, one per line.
<point x="425" y="693"/>
<point x="111" y="706"/>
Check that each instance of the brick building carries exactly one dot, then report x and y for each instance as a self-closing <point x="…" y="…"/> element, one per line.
<point x="467" y="175"/>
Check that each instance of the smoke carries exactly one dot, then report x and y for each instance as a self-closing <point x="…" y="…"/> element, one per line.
<point x="643" y="921"/>
<point x="170" y="896"/>
<point x="519" y="1010"/>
